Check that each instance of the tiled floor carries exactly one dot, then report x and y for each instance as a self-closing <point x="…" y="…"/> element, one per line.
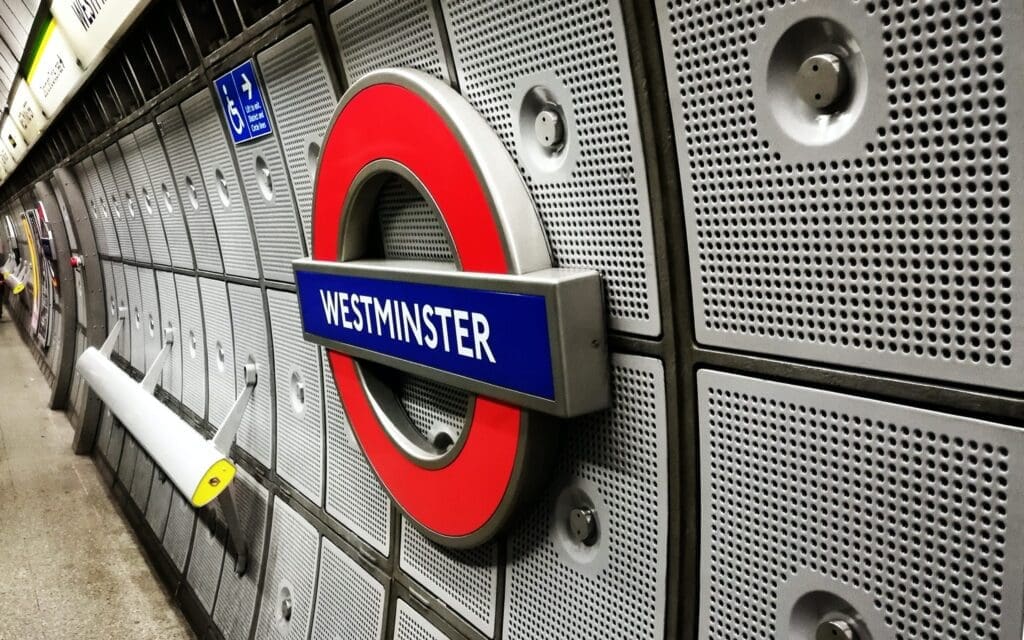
<point x="70" y="567"/>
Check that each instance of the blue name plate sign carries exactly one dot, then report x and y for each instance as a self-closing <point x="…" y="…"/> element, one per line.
<point x="245" y="110"/>
<point x="497" y="335"/>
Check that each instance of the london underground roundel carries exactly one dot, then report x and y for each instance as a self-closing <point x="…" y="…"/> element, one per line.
<point x="527" y="340"/>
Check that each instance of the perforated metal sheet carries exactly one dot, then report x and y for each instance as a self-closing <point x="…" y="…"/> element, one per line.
<point x="123" y="347"/>
<point x="376" y="34"/>
<point x="159" y="505"/>
<point x="410" y="625"/>
<point x="297" y="374"/>
<point x="594" y="202"/>
<point x="142" y="477"/>
<point x="256" y="433"/>
<point x="115" y="444"/>
<point x="889" y="248"/>
<point x="204" y="122"/>
<point x="123" y="200"/>
<point x="614" y="462"/>
<point x="144" y="200"/>
<point x="205" y="563"/>
<point x="151" y="321"/>
<point x="268" y="191"/>
<point x="292" y="558"/>
<point x="350" y="603"/>
<point x="465" y="580"/>
<point x="411" y="229"/>
<point x="193" y="344"/>
<point x="111" y="295"/>
<point x="104" y="181"/>
<point x="302" y="98"/>
<point x="169" y="318"/>
<point x="103" y="228"/>
<point x="188" y="191"/>
<point x="220" y="350"/>
<point x="129" y="454"/>
<point x="236" y="598"/>
<point x="353" y="494"/>
<point x="908" y="509"/>
<point x="178" y="533"/>
<point x="133" y="321"/>
<point x="103" y="433"/>
<point x="164" y="195"/>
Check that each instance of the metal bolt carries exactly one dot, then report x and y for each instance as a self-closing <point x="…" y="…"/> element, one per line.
<point x="836" y="629"/>
<point x="821" y="80"/>
<point x="286" y="608"/>
<point x="583" y="525"/>
<point x="214" y="481"/>
<point x="549" y="129"/>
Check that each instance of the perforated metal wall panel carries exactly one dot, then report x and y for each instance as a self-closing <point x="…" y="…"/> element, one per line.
<point x="292" y="558"/>
<point x="164" y="196"/>
<point x="353" y="494"/>
<point x="159" y="505"/>
<point x="178" y="533"/>
<point x="104" y="181"/>
<point x="193" y="344"/>
<point x="302" y="97"/>
<point x="123" y="346"/>
<point x="126" y="468"/>
<point x="151" y="321"/>
<point x="350" y="603"/>
<point x="615" y="463"/>
<point x="142" y="477"/>
<point x="269" y="194"/>
<point x="256" y="433"/>
<point x="901" y="512"/>
<point x="465" y="580"/>
<point x="591" y="194"/>
<point x="410" y="227"/>
<point x="133" y="320"/>
<point x="297" y="374"/>
<point x="410" y="625"/>
<point x="220" y="350"/>
<point x="103" y="227"/>
<point x="110" y="302"/>
<point x="188" y="191"/>
<point x="123" y="200"/>
<point x="115" y="444"/>
<point x="103" y="433"/>
<point x="236" y="598"/>
<point x="171" y="378"/>
<point x="205" y="563"/>
<point x="879" y="238"/>
<point x="376" y="34"/>
<point x="144" y="200"/>
<point x="204" y="122"/>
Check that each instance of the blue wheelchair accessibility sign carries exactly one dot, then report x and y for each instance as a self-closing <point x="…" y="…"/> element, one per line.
<point x="245" y="110"/>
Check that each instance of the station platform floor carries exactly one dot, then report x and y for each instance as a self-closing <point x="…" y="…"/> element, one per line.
<point x="70" y="566"/>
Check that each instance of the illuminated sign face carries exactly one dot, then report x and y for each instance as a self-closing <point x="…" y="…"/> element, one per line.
<point x="527" y="340"/>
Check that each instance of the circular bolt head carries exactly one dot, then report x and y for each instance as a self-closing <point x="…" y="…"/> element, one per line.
<point x="836" y="629"/>
<point x="549" y="129"/>
<point x="821" y="80"/>
<point x="583" y="525"/>
<point x="286" y="609"/>
<point x="214" y="481"/>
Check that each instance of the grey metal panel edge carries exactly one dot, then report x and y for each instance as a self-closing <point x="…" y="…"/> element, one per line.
<point x="145" y="200"/>
<point x="164" y="195"/>
<point x="256" y="432"/>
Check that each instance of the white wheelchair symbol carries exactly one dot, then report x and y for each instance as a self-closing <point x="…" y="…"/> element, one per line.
<point x="234" y="115"/>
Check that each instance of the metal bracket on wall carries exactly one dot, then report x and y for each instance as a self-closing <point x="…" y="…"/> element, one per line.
<point x="157" y="368"/>
<point x="115" y="332"/>
<point x="222" y="441"/>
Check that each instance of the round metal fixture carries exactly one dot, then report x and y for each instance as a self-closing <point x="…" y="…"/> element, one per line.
<point x="583" y="525"/>
<point x="836" y="629"/>
<point x="549" y="129"/>
<point x="821" y="80"/>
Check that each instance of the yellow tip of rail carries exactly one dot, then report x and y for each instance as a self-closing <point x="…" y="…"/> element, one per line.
<point x="19" y="288"/>
<point x="216" y="480"/>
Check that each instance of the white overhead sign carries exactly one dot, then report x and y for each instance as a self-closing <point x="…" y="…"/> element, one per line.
<point x="93" y="26"/>
<point x="25" y="111"/>
<point x="55" y="74"/>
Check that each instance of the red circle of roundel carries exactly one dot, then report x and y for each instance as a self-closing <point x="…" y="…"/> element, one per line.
<point x="387" y="121"/>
